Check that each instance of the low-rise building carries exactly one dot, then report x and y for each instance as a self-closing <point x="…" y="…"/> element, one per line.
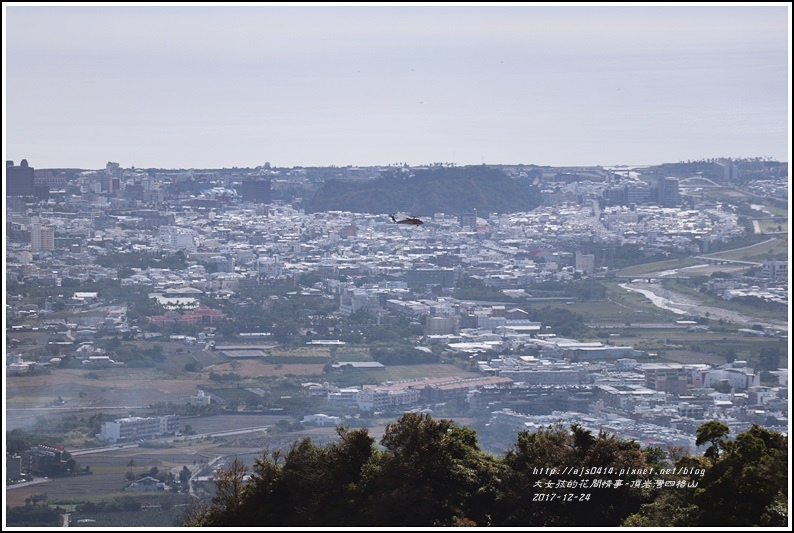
<point x="667" y="377"/>
<point x="321" y="420"/>
<point x="145" y="484"/>
<point x="136" y="428"/>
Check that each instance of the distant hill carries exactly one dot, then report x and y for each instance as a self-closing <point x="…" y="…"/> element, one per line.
<point x="422" y="192"/>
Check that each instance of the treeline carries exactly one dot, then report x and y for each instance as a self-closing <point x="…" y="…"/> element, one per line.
<point x="430" y="472"/>
<point x="426" y="191"/>
<point x="562" y="321"/>
<point x="406" y="354"/>
<point x="33" y="514"/>
<point x="126" y="261"/>
<point x="51" y="431"/>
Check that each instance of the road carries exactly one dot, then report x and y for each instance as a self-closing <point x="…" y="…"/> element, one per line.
<point x="26" y="483"/>
<point x="211" y="434"/>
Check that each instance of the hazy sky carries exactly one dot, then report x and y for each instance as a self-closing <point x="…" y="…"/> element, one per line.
<point x="222" y="85"/>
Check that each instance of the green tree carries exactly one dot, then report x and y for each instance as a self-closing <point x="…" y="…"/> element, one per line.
<point x="184" y="475"/>
<point x="533" y="466"/>
<point x="769" y="358"/>
<point x="227" y="503"/>
<point x="36" y="499"/>
<point x="714" y="433"/>
<point x="433" y="473"/>
<point x="739" y="483"/>
<point x="747" y="482"/>
<point x="310" y="485"/>
<point x="430" y="472"/>
<point x="319" y="485"/>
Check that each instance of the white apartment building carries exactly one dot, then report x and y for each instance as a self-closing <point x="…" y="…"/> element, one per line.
<point x="179" y="238"/>
<point x="584" y="263"/>
<point x="135" y="428"/>
<point x="737" y="375"/>
<point x="441" y="325"/>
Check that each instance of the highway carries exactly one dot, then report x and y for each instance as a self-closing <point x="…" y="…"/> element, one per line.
<point x="184" y="438"/>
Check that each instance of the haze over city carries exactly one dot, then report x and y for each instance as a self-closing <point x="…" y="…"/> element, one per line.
<point x="214" y="86"/>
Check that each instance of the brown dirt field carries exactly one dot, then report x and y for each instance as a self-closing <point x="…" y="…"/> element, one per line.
<point x="124" y="387"/>
<point x="77" y="488"/>
<point x="690" y="357"/>
<point x="120" y="384"/>
<point x="118" y="390"/>
<point x="255" y="368"/>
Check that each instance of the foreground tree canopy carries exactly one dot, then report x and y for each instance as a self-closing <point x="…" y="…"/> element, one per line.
<point x="431" y="472"/>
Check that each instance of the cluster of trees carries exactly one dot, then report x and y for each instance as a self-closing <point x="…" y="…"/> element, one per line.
<point x="759" y="303"/>
<point x="562" y="321"/>
<point x="35" y="513"/>
<point x="52" y="431"/>
<point x="471" y="288"/>
<point x="116" y="505"/>
<point x="126" y="261"/>
<point x="404" y="354"/>
<point x="430" y="472"/>
<point x="745" y="483"/>
<point x="582" y="289"/>
<point x="769" y="358"/>
<point x="751" y="168"/>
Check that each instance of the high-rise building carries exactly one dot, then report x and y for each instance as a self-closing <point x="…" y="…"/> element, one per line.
<point x="637" y="192"/>
<point x="468" y="220"/>
<point x="19" y="179"/>
<point x="256" y="190"/>
<point x="730" y="170"/>
<point x="42" y="238"/>
<point x="667" y="189"/>
<point x="584" y="263"/>
<point x="441" y="325"/>
<point x="113" y="169"/>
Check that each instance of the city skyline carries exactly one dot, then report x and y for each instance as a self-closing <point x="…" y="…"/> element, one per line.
<point x="215" y="86"/>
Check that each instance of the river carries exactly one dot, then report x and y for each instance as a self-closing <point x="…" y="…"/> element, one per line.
<point x="682" y="304"/>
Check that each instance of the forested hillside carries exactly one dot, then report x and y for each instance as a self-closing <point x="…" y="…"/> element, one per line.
<point x="430" y="472"/>
<point x="422" y="192"/>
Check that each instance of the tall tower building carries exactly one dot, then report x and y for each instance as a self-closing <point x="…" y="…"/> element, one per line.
<point x="667" y="189"/>
<point x="468" y="220"/>
<point x="113" y="169"/>
<point x="19" y="179"/>
<point x="256" y="190"/>
<point x="42" y="238"/>
<point x="584" y="263"/>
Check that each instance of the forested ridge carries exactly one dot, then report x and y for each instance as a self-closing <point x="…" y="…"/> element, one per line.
<point x="423" y="192"/>
<point x="428" y="472"/>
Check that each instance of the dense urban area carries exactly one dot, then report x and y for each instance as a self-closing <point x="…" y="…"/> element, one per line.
<point x="161" y="323"/>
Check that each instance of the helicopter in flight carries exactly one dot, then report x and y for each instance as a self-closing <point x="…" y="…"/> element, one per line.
<point x="412" y="220"/>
